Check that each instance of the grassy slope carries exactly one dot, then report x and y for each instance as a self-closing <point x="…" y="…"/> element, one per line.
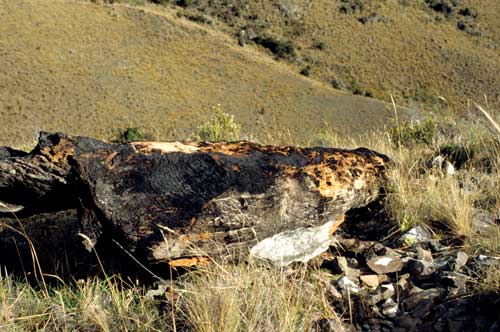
<point x="410" y="54"/>
<point x="88" y="69"/>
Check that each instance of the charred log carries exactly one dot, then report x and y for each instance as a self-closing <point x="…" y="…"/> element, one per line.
<point x="175" y="201"/>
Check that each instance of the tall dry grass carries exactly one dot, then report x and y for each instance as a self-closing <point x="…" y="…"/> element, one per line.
<point x="91" y="305"/>
<point x="236" y="298"/>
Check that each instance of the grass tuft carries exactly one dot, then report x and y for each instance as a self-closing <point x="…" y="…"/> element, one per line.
<point x="253" y="298"/>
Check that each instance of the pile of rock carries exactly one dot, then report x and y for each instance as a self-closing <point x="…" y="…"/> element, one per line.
<point x="413" y="283"/>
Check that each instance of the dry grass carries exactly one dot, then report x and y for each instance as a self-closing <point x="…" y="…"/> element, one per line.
<point x="230" y="298"/>
<point x="92" y="305"/>
<point x="253" y="298"/>
<point x="420" y="193"/>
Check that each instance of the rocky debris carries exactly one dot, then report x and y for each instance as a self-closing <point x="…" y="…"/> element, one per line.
<point x="460" y="260"/>
<point x="443" y="166"/>
<point x="370" y="280"/>
<point x="347" y="286"/>
<point x="390" y="308"/>
<point x="416" y="235"/>
<point x="342" y="266"/>
<point x="446" y="7"/>
<point x="385" y="264"/>
<point x="473" y="313"/>
<point x="424" y="287"/>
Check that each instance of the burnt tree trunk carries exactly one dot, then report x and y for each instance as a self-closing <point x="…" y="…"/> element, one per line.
<point x="179" y="202"/>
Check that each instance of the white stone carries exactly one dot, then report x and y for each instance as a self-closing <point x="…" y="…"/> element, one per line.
<point x="416" y="234"/>
<point x="390" y="308"/>
<point x="298" y="245"/>
<point x="348" y="285"/>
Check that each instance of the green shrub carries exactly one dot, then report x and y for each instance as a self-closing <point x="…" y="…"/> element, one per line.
<point x="320" y="46"/>
<point x="411" y="133"/>
<point x="306" y="71"/>
<point x="338" y="84"/>
<point x="187" y="3"/>
<point x="221" y="127"/>
<point x="162" y="2"/>
<point x="281" y="48"/>
<point x="351" y="6"/>
<point x="131" y="135"/>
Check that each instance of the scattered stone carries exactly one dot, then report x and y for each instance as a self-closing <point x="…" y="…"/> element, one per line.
<point x="416" y="235"/>
<point x="468" y="11"/>
<point x="421" y="296"/>
<point x="485" y="221"/>
<point x="351" y="6"/>
<point x="390" y="308"/>
<point x="424" y="255"/>
<point x="381" y="250"/>
<point x="385" y="264"/>
<point x="384" y="292"/>
<point x="347" y="286"/>
<point x="443" y="166"/>
<point x="448" y="168"/>
<point x="346" y="243"/>
<point x="370" y="280"/>
<point x="325" y="280"/>
<point x="353" y="262"/>
<point x="407" y="322"/>
<point x="420" y="268"/>
<point x="383" y="278"/>
<point x="473" y="313"/>
<point x="343" y="266"/>
<point x="160" y="291"/>
<point x="455" y="279"/>
<point x="460" y="260"/>
<point x="403" y="282"/>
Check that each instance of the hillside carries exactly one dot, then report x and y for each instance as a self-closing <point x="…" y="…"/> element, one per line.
<point x="417" y="50"/>
<point x="91" y="69"/>
<point x="285" y="68"/>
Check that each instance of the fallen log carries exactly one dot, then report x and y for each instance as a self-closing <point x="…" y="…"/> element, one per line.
<point x="182" y="202"/>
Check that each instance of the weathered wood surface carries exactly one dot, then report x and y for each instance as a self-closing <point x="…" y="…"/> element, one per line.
<point x="177" y="201"/>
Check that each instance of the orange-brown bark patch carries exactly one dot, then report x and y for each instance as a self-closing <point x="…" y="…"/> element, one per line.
<point x="189" y="262"/>
<point x="60" y="152"/>
<point x="335" y="226"/>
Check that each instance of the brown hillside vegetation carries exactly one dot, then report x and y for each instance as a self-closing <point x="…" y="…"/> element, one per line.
<point x="88" y="69"/>
<point x="417" y="50"/>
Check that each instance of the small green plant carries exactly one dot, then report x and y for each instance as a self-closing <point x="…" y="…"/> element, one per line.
<point x="413" y="133"/>
<point x="351" y="6"/>
<point x="338" y="84"/>
<point x="221" y="127"/>
<point x="306" y="71"/>
<point x="187" y="3"/>
<point x="320" y="46"/>
<point x="131" y="135"/>
<point x="281" y="48"/>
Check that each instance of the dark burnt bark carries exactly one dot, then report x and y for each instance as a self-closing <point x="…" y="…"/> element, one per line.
<point x="173" y="201"/>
